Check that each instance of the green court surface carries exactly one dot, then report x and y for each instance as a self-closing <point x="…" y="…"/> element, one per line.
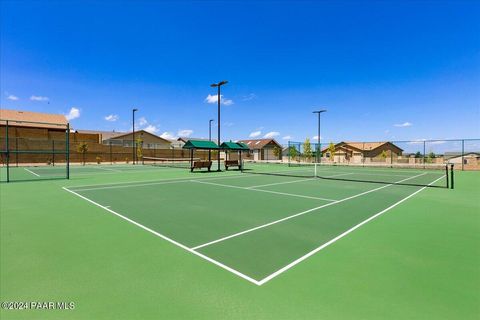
<point x="131" y="242"/>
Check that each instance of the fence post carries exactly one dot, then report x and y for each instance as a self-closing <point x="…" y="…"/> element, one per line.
<point x="463" y="152"/>
<point x="67" y="150"/>
<point x="423" y="154"/>
<point x="53" y="153"/>
<point x="16" y="150"/>
<point x="111" y="155"/>
<point x="7" y="153"/>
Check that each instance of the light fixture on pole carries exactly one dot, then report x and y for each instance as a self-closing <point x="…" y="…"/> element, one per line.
<point x="319" y="157"/>
<point x="218" y="85"/>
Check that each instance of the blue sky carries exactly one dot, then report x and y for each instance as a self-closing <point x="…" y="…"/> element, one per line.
<point x="384" y="70"/>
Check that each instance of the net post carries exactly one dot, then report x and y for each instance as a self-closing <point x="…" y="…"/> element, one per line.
<point x="446" y="175"/>
<point x="315" y="171"/>
<point x="451" y="176"/>
<point x="67" y="150"/>
<point x="7" y="151"/>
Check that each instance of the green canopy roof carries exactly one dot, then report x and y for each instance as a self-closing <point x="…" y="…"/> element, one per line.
<point x="234" y="146"/>
<point x="200" y="144"/>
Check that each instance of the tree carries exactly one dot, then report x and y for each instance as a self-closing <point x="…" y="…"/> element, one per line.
<point x="431" y="156"/>
<point x="277" y="152"/>
<point x="292" y="152"/>
<point x="83" y="148"/>
<point x="139" y="142"/>
<point x="307" y="149"/>
<point x="418" y="154"/>
<point x="331" y="151"/>
<point x="383" y="155"/>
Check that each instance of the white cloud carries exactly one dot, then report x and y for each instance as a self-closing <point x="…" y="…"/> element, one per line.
<point x="249" y="97"/>
<point x="185" y="133"/>
<point x="255" y="134"/>
<point x="111" y="117"/>
<point x="287" y="138"/>
<point x="213" y="98"/>
<point x="12" y="97"/>
<point x="73" y="114"/>
<point x="151" y="128"/>
<point x="271" y="134"/>
<point x="316" y="138"/>
<point x="39" y="98"/>
<point x="142" y="121"/>
<point x="403" y="125"/>
<point x="168" y="136"/>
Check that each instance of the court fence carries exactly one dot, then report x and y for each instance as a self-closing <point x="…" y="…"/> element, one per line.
<point x="463" y="153"/>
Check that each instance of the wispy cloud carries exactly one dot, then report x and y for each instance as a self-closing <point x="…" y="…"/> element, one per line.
<point x="142" y="121"/>
<point x="271" y="134"/>
<point x="39" y="98"/>
<point x="249" y="97"/>
<point x="316" y="138"/>
<point x="287" y="137"/>
<point x="213" y="98"/>
<point x="255" y="134"/>
<point x="12" y="97"/>
<point x="111" y="117"/>
<point x="185" y="133"/>
<point x="403" y="125"/>
<point x="151" y="128"/>
<point x="168" y="135"/>
<point x="74" y="113"/>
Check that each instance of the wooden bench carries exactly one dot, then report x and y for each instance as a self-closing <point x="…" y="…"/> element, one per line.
<point x="232" y="163"/>
<point x="201" y="164"/>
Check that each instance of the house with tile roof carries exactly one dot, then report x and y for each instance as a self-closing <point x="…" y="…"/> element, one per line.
<point x="263" y="149"/>
<point x="358" y="152"/>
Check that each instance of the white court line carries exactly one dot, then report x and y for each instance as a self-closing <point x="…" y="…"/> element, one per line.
<point x="277" y="183"/>
<point x="299" y="214"/>
<point x="290" y="265"/>
<point x="32" y="172"/>
<point x="126" y="184"/>
<point x="136" y="185"/>
<point x="167" y="238"/>
<point x="261" y="190"/>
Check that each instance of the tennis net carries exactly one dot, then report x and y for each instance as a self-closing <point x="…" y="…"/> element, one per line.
<point x="432" y="175"/>
<point x="169" y="162"/>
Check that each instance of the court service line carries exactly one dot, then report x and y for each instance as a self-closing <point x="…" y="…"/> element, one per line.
<point x="32" y="172"/>
<point x="290" y="265"/>
<point x="261" y="190"/>
<point x="299" y="214"/>
<point x="238" y="273"/>
<point x="278" y="183"/>
<point x="125" y="184"/>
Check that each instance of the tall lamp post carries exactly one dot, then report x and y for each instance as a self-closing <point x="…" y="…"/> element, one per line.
<point x="218" y="85"/>
<point x="210" y="138"/>
<point x="133" y="135"/>
<point x="319" y="157"/>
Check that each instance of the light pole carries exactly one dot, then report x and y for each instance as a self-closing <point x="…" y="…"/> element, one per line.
<point x="319" y="157"/>
<point x="133" y="135"/>
<point x="210" y="138"/>
<point x="218" y="85"/>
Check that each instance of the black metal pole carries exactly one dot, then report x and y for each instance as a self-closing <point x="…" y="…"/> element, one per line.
<point x="218" y="153"/>
<point x="451" y="176"/>
<point x="7" y="151"/>
<point x="210" y="138"/>
<point x="133" y="136"/>
<point x="446" y="172"/>
<point x="68" y="151"/>
<point x="319" y="158"/>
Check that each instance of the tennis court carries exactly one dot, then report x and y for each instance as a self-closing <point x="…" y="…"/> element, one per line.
<point x="258" y="226"/>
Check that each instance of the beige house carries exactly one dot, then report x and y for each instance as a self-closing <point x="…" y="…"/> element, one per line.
<point x="149" y="140"/>
<point x="358" y="152"/>
<point x="263" y="149"/>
